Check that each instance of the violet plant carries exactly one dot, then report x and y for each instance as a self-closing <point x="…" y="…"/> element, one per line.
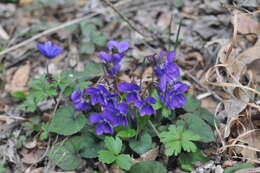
<point x="116" y="110"/>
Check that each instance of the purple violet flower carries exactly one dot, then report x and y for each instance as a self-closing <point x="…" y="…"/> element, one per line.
<point x="132" y="91"/>
<point x="112" y="61"/>
<point x="49" y="50"/>
<point x="145" y="106"/>
<point x="174" y="97"/>
<point x="103" y="121"/>
<point x="121" y="47"/>
<point x="80" y="103"/>
<point x="167" y="71"/>
<point x="120" y="113"/>
<point x="99" y="94"/>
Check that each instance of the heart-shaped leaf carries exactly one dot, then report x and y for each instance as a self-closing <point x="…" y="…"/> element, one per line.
<point x="143" y="145"/>
<point x="148" y="167"/>
<point x="66" y="123"/>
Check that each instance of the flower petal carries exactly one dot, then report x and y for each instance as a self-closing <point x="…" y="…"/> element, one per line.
<point x="95" y="118"/>
<point x="100" y="129"/>
<point x="171" y="56"/>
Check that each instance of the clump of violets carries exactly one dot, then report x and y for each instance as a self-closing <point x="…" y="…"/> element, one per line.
<point x="112" y="60"/>
<point x="171" y="89"/>
<point x="125" y="102"/>
<point x="49" y="50"/>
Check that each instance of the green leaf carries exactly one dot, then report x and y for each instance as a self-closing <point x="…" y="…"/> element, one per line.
<point x="66" y="123"/>
<point x="126" y="133"/>
<point x="2" y="168"/>
<point x="199" y="127"/>
<point x="191" y="104"/>
<point x="90" y="147"/>
<point x="74" y="143"/>
<point x="166" y="112"/>
<point x="88" y="29"/>
<point x="19" y="95"/>
<point x="124" y="161"/>
<point x="45" y="131"/>
<point x="84" y="84"/>
<point x="155" y="95"/>
<point x="100" y="40"/>
<point x="143" y="145"/>
<point x="29" y="104"/>
<point x="205" y="115"/>
<point x="148" y="167"/>
<point x="64" y="157"/>
<point x="87" y="48"/>
<point x="71" y="28"/>
<point x="106" y="156"/>
<point x="238" y="166"/>
<point x="188" y="160"/>
<point x="176" y="139"/>
<point x="142" y="121"/>
<point x="92" y="70"/>
<point x="19" y="141"/>
<point x="113" y="144"/>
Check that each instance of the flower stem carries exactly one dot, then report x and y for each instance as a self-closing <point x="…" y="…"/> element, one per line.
<point x="154" y="129"/>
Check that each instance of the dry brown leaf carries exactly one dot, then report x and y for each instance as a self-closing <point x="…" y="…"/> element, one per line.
<point x="247" y="25"/>
<point x="251" y="58"/>
<point x="24" y="3"/>
<point x="37" y="170"/>
<point x="114" y="168"/>
<point x="19" y="79"/>
<point x="30" y="157"/>
<point x="209" y="104"/>
<point x="164" y="20"/>
<point x="30" y="144"/>
<point x="149" y="155"/>
<point x="3" y="34"/>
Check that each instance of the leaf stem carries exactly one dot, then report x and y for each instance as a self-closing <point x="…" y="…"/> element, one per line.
<point x="177" y="37"/>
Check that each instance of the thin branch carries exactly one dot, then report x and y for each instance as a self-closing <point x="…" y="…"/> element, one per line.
<point x="203" y="86"/>
<point x="124" y="18"/>
<point x="46" y="32"/>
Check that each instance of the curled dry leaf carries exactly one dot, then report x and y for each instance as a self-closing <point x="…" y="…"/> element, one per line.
<point x="30" y="144"/>
<point x="36" y="170"/>
<point x="232" y="73"/>
<point x="30" y="157"/>
<point x="149" y="155"/>
<point x="19" y="79"/>
<point x="164" y="20"/>
<point x="247" y="25"/>
<point x="3" y="34"/>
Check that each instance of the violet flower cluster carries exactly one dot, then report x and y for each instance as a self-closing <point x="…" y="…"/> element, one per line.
<point x="171" y="89"/>
<point x="115" y="112"/>
<point x="116" y="108"/>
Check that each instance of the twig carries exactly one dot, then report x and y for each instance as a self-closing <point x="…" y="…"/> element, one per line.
<point x="46" y="32"/>
<point x="124" y="18"/>
<point x="51" y="30"/>
<point x="203" y="86"/>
